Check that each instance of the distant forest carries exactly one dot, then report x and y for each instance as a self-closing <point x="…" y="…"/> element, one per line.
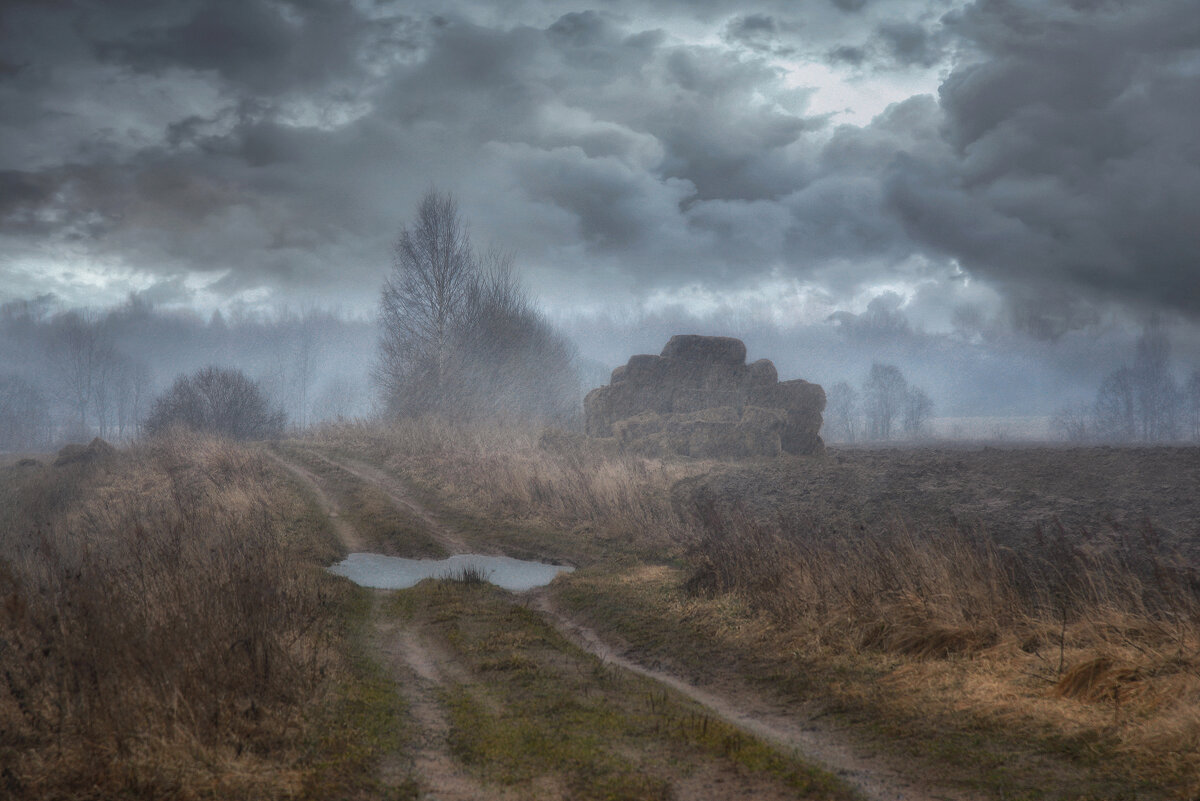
<point x="68" y="375"/>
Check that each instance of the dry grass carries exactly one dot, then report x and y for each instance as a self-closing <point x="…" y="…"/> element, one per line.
<point x="1107" y="625"/>
<point x="164" y="626"/>
<point x="552" y="480"/>
<point x="1084" y="644"/>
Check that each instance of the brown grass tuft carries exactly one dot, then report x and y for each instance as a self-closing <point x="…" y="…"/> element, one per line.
<point x="162" y="632"/>
<point x="1100" y="678"/>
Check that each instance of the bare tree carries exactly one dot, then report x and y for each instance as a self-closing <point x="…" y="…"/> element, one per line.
<point x="24" y="415"/>
<point x="461" y="335"/>
<point x="306" y="352"/>
<point x="1115" y="407"/>
<point x="885" y="391"/>
<point x="216" y="401"/>
<point x="79" y="351"/>
<point x="1191" y="403"/>
<point x="842" y="413"/>
<point x="132" y="379"/>
<point x="1073" y="423"/>
<point x="422" y="303"/>
<point x="508" y="359"/>
<point x="918" y="408"/>
<point x="1156" y="397"/>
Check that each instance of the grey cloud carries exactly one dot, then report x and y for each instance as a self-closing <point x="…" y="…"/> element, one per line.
<point x="910" y="43"/>
<point x="1069" y="168"/>
<point x="848" y="54"/>
<point x="762" y="33"/>
<point x="265" y="47"/>
<point x="895" y="43"/>
<point x="1059" y="162"/>
<point x="22" y="196"/>
<point x="9" y="69"/>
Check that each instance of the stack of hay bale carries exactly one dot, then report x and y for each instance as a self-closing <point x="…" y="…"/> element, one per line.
<point x="700" y="398"/>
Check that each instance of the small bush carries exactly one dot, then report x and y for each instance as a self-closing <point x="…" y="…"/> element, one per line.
<point x="216" y="401"/>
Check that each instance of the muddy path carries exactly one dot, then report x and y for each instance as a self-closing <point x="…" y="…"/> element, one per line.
<point x="419" y="671"/>
<point x="421" y="667"/>
<point x="729" y="698"/>
<point x="346" y="533"/>
<point x="416" y="671"/>
<point x="398" y="494"/>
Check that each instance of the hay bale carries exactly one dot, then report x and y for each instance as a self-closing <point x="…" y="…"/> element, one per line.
<point x="710" y="350"/>
<point x="700" y="398"/>
<point x="762" y="373"/>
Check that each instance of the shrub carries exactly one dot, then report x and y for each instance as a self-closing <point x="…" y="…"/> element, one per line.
<point x="216" y="401"/>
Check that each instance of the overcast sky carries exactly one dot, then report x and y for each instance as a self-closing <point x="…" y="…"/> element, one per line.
<point x="792" y="158"/>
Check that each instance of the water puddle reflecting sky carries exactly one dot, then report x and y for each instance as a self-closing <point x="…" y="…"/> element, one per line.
<point x="396" y="573"/>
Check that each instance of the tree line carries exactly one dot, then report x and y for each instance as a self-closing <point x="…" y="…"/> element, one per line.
<point x="458" y="335"/>
<point x="887" y="406"/>
<point x="69" y="375"/>
<point x="1141" y="401"/>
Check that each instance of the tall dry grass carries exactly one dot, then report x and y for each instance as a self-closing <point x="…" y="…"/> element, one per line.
<point x="1108" y="624"/>
<point x="1071" y="633"/>
<point x="161" y="635"/>
<point x="544" y="477"/>
<point x="952" y="590"/>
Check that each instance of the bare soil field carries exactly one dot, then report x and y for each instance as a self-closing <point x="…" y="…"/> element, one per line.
<point x="1003" y="622"/>
<point x="918" y="623"/>
<point x="1008" y="492"/>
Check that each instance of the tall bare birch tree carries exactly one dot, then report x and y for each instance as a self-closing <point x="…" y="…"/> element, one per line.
<point x="423" y="300"/>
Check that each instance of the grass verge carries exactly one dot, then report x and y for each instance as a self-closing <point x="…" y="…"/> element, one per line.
<point x="167" y="630"/>
<point x="925" y="710"/>
<point x="529" y="710"/>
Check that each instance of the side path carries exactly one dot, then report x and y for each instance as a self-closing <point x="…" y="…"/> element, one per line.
<point x="815" y="741"/>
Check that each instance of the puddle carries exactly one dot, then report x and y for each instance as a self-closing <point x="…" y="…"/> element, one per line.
<point x="395" y="573"/>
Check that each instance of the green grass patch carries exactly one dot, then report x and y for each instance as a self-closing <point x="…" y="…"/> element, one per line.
<point x="532" y="706"/>
<point x="365" y="718"/>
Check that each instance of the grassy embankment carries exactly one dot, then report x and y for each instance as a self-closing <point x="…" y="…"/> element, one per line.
<point x="168" y="632"/>
<point x="1066" y="670"/>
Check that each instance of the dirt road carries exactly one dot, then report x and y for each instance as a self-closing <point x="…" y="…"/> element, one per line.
<point x="425" y="670"/>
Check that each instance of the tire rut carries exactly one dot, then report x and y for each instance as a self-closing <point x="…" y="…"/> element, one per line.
<point x="419" y="673"/>
<point x="813" y="740"/>
<point x="420" y="676"/>
<point x="415" y="668"/>
<point x="397" y="494"/>
<point x="348" y="535"/>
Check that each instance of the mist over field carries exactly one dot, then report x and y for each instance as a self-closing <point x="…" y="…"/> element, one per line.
<point x="996" y="197"/>
<point x="637" y="399"/>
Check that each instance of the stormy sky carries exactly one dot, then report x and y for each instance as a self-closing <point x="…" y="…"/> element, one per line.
<point x="1031" y="161"/>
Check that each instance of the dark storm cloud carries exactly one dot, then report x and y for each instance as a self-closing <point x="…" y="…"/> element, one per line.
<point x="909" y="43"/>
<point x="622" y="148"/>
<point x="1070" y="167"/>
<point x="895" y="43"/>
<point x="265" y="47"/>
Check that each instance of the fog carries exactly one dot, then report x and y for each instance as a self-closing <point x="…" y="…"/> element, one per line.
<point x="88" y="372"/>
<point x="995" y="198"/>
<point x="987" y="378"/>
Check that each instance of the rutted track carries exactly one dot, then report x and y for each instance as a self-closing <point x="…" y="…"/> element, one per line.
<point x="417" y="669"/>
<point x="817" y="742"/>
